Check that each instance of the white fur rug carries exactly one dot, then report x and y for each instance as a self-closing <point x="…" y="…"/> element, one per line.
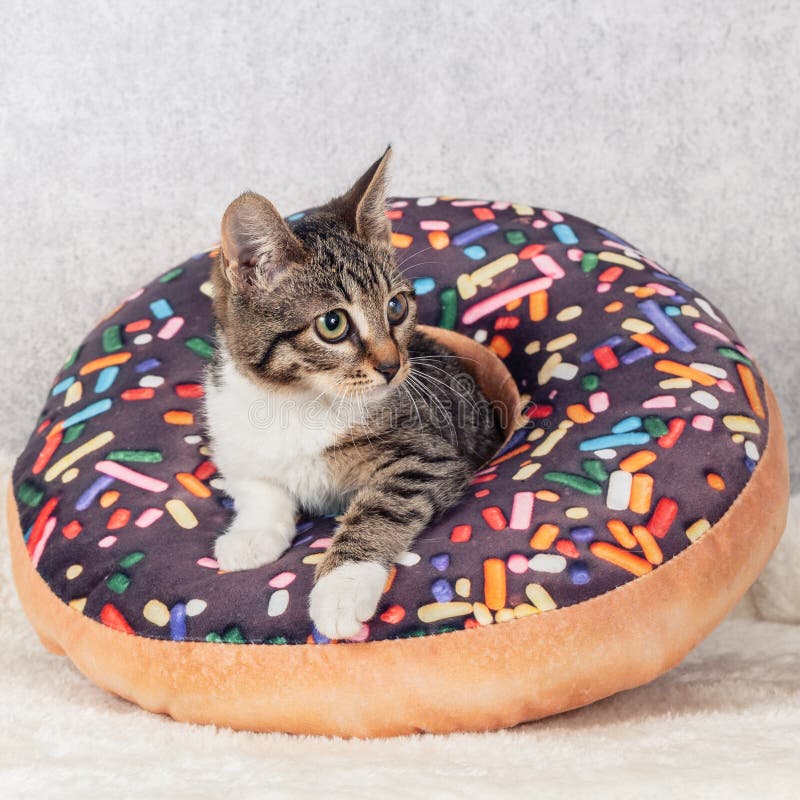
<point x="725" y="723"/>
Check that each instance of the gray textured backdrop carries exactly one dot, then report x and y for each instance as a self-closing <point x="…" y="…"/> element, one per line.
<point x="127" y="127"/>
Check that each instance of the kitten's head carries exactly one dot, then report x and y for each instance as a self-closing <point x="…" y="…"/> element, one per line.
<point x="317" y="304"/>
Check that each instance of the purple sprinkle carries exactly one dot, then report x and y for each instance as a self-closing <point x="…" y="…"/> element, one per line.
<point x="319" y="638"/>
<point x="676" y="337"/>
<point x="583" y="534"/>
<point x="87" y="497"/>
<point x="177" y="622"/>
<point x="636" y="354"/>
<point x="441" y="561"/>
<point x="473" y="234"/>
<point x="442" y="590"/>
<point x="147" y="365"/>
<point x="579" y="573"/>
<point x="305" y="525"/>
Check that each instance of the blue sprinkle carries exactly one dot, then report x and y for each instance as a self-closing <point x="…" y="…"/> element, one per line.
<point x="475" y="252"/>
<point x="635" y="355"/>
<point x="441" y="561"/>
<point x="517" y="438"/>
<point x="226" y="502"/>
<point x="177" y="622"/>
<point x="161" y="308"/>
<point x="613" y="237"/>
<point x="612" y="342"/>
<point x="749" y="463"/>
<point x="87" y="497"/>
<point x="676" y="298"/>
<point x="424" y="285"/>
<point x="442" y="590"/>
<point x="147" y="365"/>
<point x="672" y="311"/>
<point x="668" y="328"/>
<point x="473" y="234"/>
<point x="27" y="534"/>
<point x="583" y="534"/>
<point x="305" y="525"/>
<point x="302" y="541"/>
<point x="614" y="440"/>
<point x="627" y="425"/>
<point x="106" y="377"/>
<point x="579" y="573"/>
<point x="62" y="386"/>
<point x="100" y="407"/>
<point x="565" y="234"/>
<point x="319" y="638"/>
<point x="298" y="215"/>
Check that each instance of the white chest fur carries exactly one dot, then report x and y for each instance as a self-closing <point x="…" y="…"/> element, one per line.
<point x="277" y="438"/>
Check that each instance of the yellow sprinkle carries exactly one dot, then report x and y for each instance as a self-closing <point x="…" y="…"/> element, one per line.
<point x="70" y="475"/>
<point x="73" y="571"/>
<point x="181" y="513"/>
<point x="560" y="342"/>
<point x="538" y="595"/>
<point x="741" y="424"/>
<point x="675" y="383"/>
<point x="549" y="443"/>
<point x="107" y="499"/>
<point x="636" y="325"/>
<point x="314" y="558"/>
<point x="525" y="610"/>
<point x="526" y="472"/>
<point x="482" y="614"/>
<point x="433" y="612"/>
<point x="521" y="210"/>
<point x="463" y="587"/>
<point x="504" y="615"/>
<point x="203" y="450"/>
<point x="618" y="258"/>
<point x="79" y="603"/>
<point x="546" y="372"/>
<point x="533" y="347"/>
<point x="689" y="311"/>
<point x="547" y="496"/>
<point x="483" y="275"/>
<point x="535" y="434"/>
<point x="101" y="440"/>
<point x="207" y="288"/>
<point x="577" y="512"/>
<point x="568" y="313"/>
<point x="466" y="288"/>
<point x="697" y="529"/>
<point x="565" y="424"/>
<point x="737" y="438"/>
<point x="73" y="394"/>
<point x="156" y="612"/>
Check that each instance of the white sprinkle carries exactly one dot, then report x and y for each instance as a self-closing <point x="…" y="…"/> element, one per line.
<point x="278" y="603"/>
<point x="706" y="306"/>
<point x="547" y="562"/>
<point x="426" y="201"/>
<point x="709" y="369"/>
<point x="751" y="450"/>
<point x="619" y="490"/>
<point x="407" y="559"/>
<point x="193" y="438"/>
<point x="480" y="335"/>
<point x="143" y="338"/>
<point x="195" y="607"/>
<point x="705" y="399"/>
<point x="151" y="381"/>
<point x="565" y="371"/>
<point x="606" y="453"/>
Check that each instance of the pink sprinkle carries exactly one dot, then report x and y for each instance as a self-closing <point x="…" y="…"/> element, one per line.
<point x="602" y="288"/>
<point x="539" y="223"/>
<point x="133" y="296"/>
<point x="148" y="517"/>
<point x="517" y="563"/>
<point x="726" y="386"/>
<point x="282" y="580"/>
<point x="323" y="542"/>
<point x="703" y="422"/>
<point x="661" y="401"/>
<point x="39" y="549"/>
<point x="208" y="563"/>
<point x="548" y="266"/>
<point x="705" y="328"/>
<point x="434" y="225"/>
<point x="131" y="476"/>
<point x="398" y="204"/>
<point x="362" y="635"/>
<point x="574" y="254"/>
<point x="521" y="512"/>
<point x="610" y="243"/>
<point x="553" y="216"/>
<point x="490" y="304"/>
<point x="659" y="288"/>
<point x="468" y="203"/>
<point x="500" y="205"/>
<point x="744" y="351"/>
<point x="171" y="327"/>
<point x="598" y="402"/>
<point x="107" y="541"/>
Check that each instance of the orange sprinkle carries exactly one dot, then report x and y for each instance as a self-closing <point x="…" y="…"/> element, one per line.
<point x="621" y="532"/>
<point x="750" y="389"/>
<point x="636" y="461"/>
<point x="537" y="303"/>
<point x="547" y="496"/>
<point x="500" y="345"/>
<point x="620" y="558"/>
<point x="402" y="240"/>
<point x="652" y="552"/>
<point x="511" y="454"/>
<point x="514" y="304"/>
<point x="438" y="240"/>
<point x="653" y="342"/>
<point x="193" y="485"/>
<point x="494" y="583"/>
<point x="139" y="325"/>
<point x="390" y="579"/>
<point x="544" y="537"/>
<point x="107" y="499"/>
<point x="482" y="213"/>
<point x="715" y="481"/>
<point x="682" y="371"/>
<point x="641" y="493"/>
<point x="612" y="308"/>
<point x="119" y="519"/>
<point x="579" y="413"/>
<point x="643" y="291"/>
<point x="105" y="361"/>
<point x="393" y="614"/>
<point x="179" y="417"/>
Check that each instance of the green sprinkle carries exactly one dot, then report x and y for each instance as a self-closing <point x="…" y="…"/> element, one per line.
<point x="233" y="636"/>
<point x="132" y="559"/>
<point x="213" y="637"/>
<point x="142" y="456"/>
<point x="200" y="346"/>
<point x="112" y="339"/>
<point x="73" y="432"/>
<point x="734" y="355"/>
<point x="412" y="634"/>
<point x="449" y="306"/>
<point x="118" y="582"/>
<point x="655" y="426"/>
<point x="171" y="275"/>
<point x="516" y="237"/>
<point x="276" y="640"/>
<point x="72" y="358"/>
<point x="589" y="262"/>
<point x="590" y="382"/>
<point x="574" y="482"/>
<point x="594" y="468"/>
<point x="30" y="494"/>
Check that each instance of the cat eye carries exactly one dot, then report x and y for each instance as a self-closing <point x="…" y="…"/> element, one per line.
<point x="397" y="308"/>
<point x="332" y="326"/>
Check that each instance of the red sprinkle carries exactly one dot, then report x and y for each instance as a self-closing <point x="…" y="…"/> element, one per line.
<point x="610" y="275"/>
<point x="395" y="213"/>
<point x="663" y="516"/>
<point x="470" y="623"/>
<point x="506" y="323"/>
<point x="189" y="390"/>
<point x="110" y="615"/>
<point x="393" y="614"/>
<point x="483" y="213"/>
<point x="45" y="423"/>
<point x="606" y="357"/>
<point x="483" y="478"/>
<point x="482" y="493"/>
<point x="119" y="519"/>
<point x="50" y="446"/>
<point x="38" y="526"/>
<point x="139" y="325"/>
<point x="674" y="430"/>
<point x="138" y="394"/>
<point x="71" y="529"/>
<point x="539" y="412"/>
<point x="461" y="533"/>
<point x="204" y="470"/>
<point x="567" y="548"/>
<point x="494" y="518"/>
<point x="531" y="251"/>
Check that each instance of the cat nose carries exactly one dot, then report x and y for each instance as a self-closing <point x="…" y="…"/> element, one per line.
<point x="388" y="369"/>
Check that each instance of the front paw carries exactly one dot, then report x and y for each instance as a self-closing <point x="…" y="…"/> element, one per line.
<point x="248" y="548"/>
<point x="346" y="597"/>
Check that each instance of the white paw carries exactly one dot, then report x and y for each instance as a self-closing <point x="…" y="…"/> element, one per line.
<point x="346" y="597"/>
<point x="248" y="548"/>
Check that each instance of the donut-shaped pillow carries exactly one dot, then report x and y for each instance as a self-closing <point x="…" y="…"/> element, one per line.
<point x="641" y="491"/>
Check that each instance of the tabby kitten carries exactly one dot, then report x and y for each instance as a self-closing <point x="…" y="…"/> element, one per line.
<point x="323" y="396"/>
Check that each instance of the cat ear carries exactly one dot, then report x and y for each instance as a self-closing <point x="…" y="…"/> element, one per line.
<point x="363" y="206"/>
<point x="257" y="245"/>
